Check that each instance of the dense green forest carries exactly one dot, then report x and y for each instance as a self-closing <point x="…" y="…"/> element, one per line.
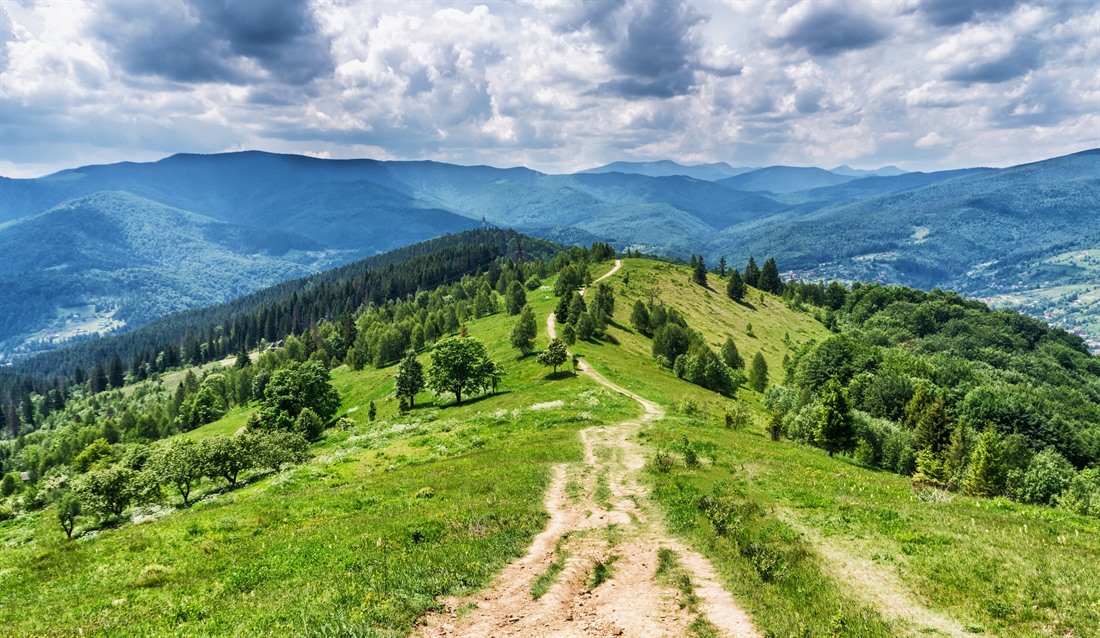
<point x="205" y="334"/>
<point x="942" y="388"/>
<point x="93" y="424"/>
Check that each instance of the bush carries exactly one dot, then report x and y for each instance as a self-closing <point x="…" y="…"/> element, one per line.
<point x="663" y="461"/>
<point x="1083" y="494"/>
<point x="1048" y="475"/>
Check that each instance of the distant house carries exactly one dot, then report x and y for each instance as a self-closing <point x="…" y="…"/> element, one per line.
<point x="26" y="476"/>
<point x="276" y="345"/>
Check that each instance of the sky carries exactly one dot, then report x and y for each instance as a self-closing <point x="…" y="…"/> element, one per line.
<point x="556" y="86"/>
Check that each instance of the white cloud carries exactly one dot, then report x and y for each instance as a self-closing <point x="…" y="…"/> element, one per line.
<point x="558" y="86"/>
<point x="931" y="140"/>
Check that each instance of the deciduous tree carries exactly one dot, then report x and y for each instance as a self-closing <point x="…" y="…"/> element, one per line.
<point x="458" y="364"/>
<point x="524" y="332"/>
<point x="409" y="378"/>
<point x="554" y="355"/>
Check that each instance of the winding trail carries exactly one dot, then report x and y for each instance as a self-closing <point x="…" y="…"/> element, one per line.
<point x="598" y="514"/>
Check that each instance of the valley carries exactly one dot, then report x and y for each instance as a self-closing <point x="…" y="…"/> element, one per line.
<point x="264" y="218"/>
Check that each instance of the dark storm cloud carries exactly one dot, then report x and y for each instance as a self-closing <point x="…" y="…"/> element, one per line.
<point x="831" y="30"/>
<point x="1023" y="57"/>
<point x="222" y="41"/>
<point x="946" y="13"/>
<point x="651" y="44"/>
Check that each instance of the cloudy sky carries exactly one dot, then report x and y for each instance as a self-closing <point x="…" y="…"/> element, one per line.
<point x="557" y="86"/>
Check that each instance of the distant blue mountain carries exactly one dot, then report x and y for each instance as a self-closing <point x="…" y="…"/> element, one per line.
<point x="125" y="260"/>
<point x="668" y="168"/>
<point x="263" y="216"/>
<point x="784" y="179"/>
<point x="885" y="171"/>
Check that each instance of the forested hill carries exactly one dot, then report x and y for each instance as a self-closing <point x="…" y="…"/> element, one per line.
<point x="203" y="334"/>
<point x="1025" y="236"/>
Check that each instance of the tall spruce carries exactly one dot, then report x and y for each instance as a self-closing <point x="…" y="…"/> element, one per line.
<point x="699" y="271"/>
<point x="752" y="273"/>
<point x="758" y="373"/>
<point x="735" y="289"/>
<point x="769" y="278"/>
<point x="524" y="332"/>
<point x="833" y="428"/>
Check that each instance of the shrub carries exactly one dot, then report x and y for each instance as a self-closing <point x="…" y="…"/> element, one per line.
<point x="1083" y="494"/>
<point x="1048" y="475"/>
<point x="663" y="461"/>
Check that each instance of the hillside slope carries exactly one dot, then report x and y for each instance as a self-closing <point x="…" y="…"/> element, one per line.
<point x="989" y="232"/>
<point x="409" y="512"/>
<point x="118" y="260"/>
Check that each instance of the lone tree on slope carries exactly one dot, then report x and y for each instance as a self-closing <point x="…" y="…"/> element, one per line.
<point x="554" y="355"/>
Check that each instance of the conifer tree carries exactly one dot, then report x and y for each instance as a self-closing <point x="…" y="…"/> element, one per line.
<point x="699" y="271"/>
<point x="833" y="422"/>
<point x="985" y="476"/>
<point x="735" y="289"/>
<point x="730" y="356"/>
<point x="758" y="373"/>
<point x="639" y="317"/>
<point x="722" y="266"/>
<point x="752" y="273"/>
<point x="577" y="307"/>
<point x="769" y="278"/>
<point x="516" y="298"/>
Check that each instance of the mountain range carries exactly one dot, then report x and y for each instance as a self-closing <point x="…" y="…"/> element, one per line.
<point x="105" y="248"/>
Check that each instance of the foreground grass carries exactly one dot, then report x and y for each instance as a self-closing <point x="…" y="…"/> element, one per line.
<point x="360" y="541"/>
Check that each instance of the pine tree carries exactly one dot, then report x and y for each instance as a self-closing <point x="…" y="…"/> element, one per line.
<point x="605" y="299"/>
<point x="735" y="289"/>
<point x="524" y="332"/>
<point x="721" y="266"/>
<point x="639" y="317"/>
<point x="752" y="273"/>
<point x="758" y="373"/>
<point x="516" y="298"/>
<point x="769" y="278"/>
<point x="730" y="356"/>
<point x="699" y="271"/>
<point x="985" y="476"/>
<point x="97" y="380"/>
<point x="577" y="307"/>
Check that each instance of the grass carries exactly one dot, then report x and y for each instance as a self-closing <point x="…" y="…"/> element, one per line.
<point x="761" y="511"/>
<point x="601" y="570"/>
<point x="547" y="579"/>
<point x="393" y="513"/>
<point x="388" y="516"/>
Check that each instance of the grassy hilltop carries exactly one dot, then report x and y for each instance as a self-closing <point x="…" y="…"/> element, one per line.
<point x="391" y="514"/>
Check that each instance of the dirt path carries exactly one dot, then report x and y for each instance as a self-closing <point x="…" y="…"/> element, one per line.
<point x="598" y="516"/>
<point x="879" y="586"/>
